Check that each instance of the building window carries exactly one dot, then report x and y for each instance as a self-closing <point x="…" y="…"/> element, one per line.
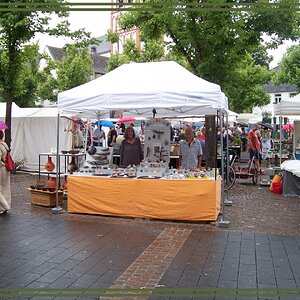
<point x="277" y="98"/>
<point x="93" y="50"/>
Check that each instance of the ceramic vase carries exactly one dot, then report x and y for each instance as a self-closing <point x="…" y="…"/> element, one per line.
<point x="51" y="183"/>
<point x="72" y="167"/>
<point x="49" y="166"/>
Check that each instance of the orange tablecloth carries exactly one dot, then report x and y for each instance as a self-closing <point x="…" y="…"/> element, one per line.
<point x="193" y="199"/>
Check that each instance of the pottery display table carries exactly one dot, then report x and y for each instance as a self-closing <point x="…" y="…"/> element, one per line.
<point x="169" y="199"/>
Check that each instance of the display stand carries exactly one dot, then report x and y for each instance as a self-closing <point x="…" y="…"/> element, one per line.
<point x="57" y="163"/>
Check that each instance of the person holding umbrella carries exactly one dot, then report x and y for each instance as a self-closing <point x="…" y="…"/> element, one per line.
<point x="5" y="194"/>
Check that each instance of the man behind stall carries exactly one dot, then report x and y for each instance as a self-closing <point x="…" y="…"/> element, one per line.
<point x="190" y="151"/>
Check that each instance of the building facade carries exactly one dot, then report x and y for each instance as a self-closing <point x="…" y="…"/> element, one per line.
<point x="115" y="28"/>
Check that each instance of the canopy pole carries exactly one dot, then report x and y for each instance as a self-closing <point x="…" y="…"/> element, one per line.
<point x="227" y="202"/>
<point x="58" y="209"/>
<point x="222" y="222"/>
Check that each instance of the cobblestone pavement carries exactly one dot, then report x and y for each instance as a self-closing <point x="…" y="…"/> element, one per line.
<point x="259" y="254"/>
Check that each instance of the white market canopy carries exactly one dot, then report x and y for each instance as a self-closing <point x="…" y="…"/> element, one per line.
<point x="34" y="131"/>
<point x="248" y="118"/>
<point x="290" y="107"/>
<point x="137" y="88"/>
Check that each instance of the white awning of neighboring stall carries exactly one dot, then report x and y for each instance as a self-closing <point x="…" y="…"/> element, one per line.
<point x="290" y="107"/>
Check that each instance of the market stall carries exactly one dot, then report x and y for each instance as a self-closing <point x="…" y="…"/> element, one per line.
<point x="33" y="132"/>
<point x="169" y="89"/>
<point x="290" y="168"/>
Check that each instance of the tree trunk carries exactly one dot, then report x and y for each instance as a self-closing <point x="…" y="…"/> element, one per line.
<point x="9" y="101"/>
<point x="210" y="142"/>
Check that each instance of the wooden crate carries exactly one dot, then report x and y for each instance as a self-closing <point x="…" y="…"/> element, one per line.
<point x="45" y="198"/>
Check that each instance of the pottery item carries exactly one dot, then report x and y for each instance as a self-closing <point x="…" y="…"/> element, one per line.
<point x="49" y="166"/>
<point x="51" y="183"/>
<point x="72" y="167"/>
<point x="92" y="150"/>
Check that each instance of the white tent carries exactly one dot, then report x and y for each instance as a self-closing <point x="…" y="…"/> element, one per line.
<point x="248" y="118"/>
<point x="34" y="131"/>
<point x="137" y="88"/>
<point x="289" y="107"/>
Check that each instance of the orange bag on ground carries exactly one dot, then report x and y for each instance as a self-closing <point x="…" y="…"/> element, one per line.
<point x="276" y="185"/>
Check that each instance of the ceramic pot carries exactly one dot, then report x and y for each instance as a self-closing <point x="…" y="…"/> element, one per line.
<point x="49" y="166"/>
<point x="72" y="167"/>
<point x="51" y="183"/>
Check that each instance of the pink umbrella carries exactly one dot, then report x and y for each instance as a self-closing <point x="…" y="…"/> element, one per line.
<point x="288" y="127"/>
<point x="126" y="120"/>
<point x="3" y="126"/>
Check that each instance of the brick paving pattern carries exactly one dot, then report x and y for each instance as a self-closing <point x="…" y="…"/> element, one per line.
<point x="260" y="249"/>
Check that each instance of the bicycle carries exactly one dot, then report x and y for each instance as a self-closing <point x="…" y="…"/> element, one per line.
<point x="249" y="172"/>
<point x="229" y="180"/>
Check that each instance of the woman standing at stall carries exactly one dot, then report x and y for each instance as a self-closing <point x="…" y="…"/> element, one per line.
<point x="5" y="196"/>
<point x="131" y="152"/>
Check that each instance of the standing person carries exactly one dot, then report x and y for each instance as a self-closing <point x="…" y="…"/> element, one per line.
<point x="202" y="143"/>
<point x="190" y="151"/>
<point x="254" y="146"/>
<point x="203" y="131"/>
<point x="98" y="136"/>
<point x="5" y="195"/>
<point x="111" y="137"/>
<point x="131" y="152"/>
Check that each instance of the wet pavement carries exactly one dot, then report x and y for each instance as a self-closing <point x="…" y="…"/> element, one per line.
<point x="257" y="257"/>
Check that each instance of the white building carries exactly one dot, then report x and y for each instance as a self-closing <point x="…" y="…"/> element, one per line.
<point x="277" y="94"/>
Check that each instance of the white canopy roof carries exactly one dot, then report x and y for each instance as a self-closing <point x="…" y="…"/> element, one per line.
<point x="289" y="107"/>
<point x="137" y="88"/>
<point x="248" y="118"/>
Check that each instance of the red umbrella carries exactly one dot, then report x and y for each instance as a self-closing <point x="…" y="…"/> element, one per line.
<point x="288" y="127"/>
<point x="3" y="126"/>
<point x="126" y="120"/>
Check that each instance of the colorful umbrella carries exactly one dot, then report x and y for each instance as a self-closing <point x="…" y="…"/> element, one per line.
<point x="126" y="120"/>
<point x="288" y="127"/>
<point x="104" y="123"/>
<point x="3" y="126"/>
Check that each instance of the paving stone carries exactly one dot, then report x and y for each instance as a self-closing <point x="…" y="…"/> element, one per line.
<point x="51" y="276"/>
<point x="247" y="270"/>
<point x="247" y="259"/>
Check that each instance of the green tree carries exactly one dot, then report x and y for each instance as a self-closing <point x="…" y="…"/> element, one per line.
<point x="74" y="69"/>
<point x="17" y="28"/>
<point x="152" y="51"/>
<point x="289" y="68"/>
<point x="246" y="89"/>
<point x="214" y="43"/>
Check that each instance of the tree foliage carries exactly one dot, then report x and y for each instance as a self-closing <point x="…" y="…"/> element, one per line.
<point x="289" y="68"/>
<point x="247" y="86"/>
<point x="215" y="43"/>
<point x="152" y="51"/>
<point x="74" y="69"/>
<point x="17" y="28"/>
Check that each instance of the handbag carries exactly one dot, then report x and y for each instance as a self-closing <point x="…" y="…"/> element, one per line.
<point x="9" y="163"/>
